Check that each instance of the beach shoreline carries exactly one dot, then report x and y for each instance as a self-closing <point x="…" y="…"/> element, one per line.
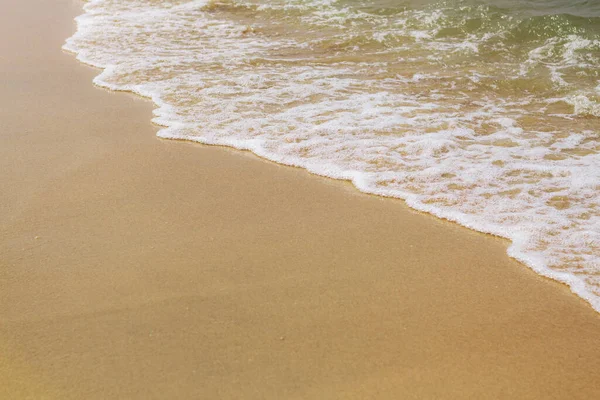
<point x="134" y="267"/>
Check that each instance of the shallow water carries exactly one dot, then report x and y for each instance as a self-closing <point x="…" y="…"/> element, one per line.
<point x="481" y="112"/>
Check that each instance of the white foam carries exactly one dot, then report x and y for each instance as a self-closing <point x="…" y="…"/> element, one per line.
<point x="434" y="135"/>
<point x="584" y="106"/>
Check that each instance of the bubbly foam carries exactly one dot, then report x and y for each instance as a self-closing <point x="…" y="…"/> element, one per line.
<point x="462" y="109"/>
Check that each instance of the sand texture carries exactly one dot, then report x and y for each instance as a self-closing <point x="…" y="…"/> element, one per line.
<point x="137" y="268"/>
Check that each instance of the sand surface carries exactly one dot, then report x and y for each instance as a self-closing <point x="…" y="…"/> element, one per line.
<point x="137" y="268"/>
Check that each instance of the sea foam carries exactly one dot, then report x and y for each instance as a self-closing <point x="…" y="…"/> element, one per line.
<point x="446" y="106"/>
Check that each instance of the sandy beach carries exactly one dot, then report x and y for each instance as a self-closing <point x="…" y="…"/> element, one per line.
<point x="138" y="268"/>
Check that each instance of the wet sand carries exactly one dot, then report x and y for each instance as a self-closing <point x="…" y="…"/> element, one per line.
<point x="137" y="268"/>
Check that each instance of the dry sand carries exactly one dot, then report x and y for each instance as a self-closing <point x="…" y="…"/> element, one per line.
<point x="132" y="267"/>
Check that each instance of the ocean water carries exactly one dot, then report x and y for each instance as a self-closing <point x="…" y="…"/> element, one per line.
<point x="483" y="112"/>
